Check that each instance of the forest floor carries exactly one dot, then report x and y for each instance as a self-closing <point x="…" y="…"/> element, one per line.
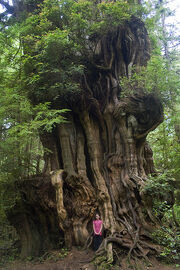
<point x="75" y="260"/>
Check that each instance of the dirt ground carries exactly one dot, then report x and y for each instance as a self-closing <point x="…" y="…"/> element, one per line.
<point x="77" y="260"/>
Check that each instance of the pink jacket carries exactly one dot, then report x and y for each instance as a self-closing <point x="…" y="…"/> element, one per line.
<point x="97" y="226"/>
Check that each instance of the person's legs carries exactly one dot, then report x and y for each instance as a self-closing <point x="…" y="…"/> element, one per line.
<point x="100" y="240"/>
<point x="97" y="241"/>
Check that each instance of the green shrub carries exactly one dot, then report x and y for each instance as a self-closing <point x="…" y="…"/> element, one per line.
<point x="170" y="240"/>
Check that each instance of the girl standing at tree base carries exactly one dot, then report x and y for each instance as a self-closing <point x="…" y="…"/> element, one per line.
<point x="97" y="228"/>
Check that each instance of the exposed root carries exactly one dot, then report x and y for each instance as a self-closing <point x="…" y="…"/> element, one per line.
<point x="88" y="242"/>
<point x="135" y="243"/>
<point x="137" y="249"/>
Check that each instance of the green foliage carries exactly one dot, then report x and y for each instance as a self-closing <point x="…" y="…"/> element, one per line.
<point x="54" y="256"/>
<point x="155" y="78"/>
<point x="101" y="263"/>
<point x="8" y="256"/>
<point x="163" y="74"/>
<point x="20" y="120"/>
<point x="8" y="240"/>
<point x="160" y="184"/>
<point x="21" y="152"/>
<point x="177" y="212"/>
<point x="21" y="123"/>
<point x="20" y="146"/>
<point x="63" y="253"/>
<point x="166" y="147"/>
<point x="59" y="37"/>
<point x="171" y="241"/>
<point x="162" y="188"/>
<point x="44" y="118"/>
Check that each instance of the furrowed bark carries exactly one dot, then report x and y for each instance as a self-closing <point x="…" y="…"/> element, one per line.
<point x="100" y="160"/>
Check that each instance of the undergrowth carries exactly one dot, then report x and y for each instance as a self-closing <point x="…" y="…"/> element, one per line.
<point x="166" y="210"/>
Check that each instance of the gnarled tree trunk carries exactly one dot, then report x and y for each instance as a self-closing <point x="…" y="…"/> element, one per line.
<point x="99" y="159"/>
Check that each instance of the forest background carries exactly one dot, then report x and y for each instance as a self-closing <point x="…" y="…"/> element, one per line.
<point x="21" y="152"/>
